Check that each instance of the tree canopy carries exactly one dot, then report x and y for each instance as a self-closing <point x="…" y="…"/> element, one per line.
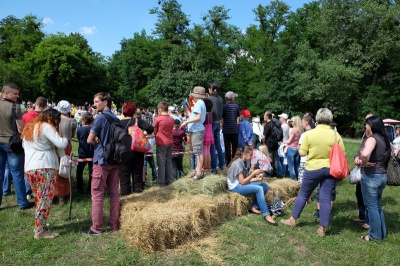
<point x="339" y="54"/>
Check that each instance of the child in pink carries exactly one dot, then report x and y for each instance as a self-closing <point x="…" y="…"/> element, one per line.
<point x="208" y="135"/>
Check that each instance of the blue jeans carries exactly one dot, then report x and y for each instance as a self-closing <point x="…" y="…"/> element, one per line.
<point x="311" y="180"/>
<point x="258" y="188"/>
<point x="16" y="163"/>
<point x="7" y="182"/>
<point x="216" y="128"/>
<point x="372" y="186"/>
<point x="293" y="159"/>
<point x="150" y="160"/>
<point x="282" y="168"/>
<point x="193" y="160"/>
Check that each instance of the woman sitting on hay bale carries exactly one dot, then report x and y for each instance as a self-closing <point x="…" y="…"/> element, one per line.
<point x="240" y="181"/>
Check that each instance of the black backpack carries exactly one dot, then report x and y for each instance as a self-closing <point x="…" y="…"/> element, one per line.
<point x="276" y="131"/>
<point x="118" y="147"/>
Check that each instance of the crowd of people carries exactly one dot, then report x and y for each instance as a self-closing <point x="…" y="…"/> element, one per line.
<point x="220" y="136"/>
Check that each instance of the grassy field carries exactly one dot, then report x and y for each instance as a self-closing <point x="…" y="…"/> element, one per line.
<point x="246" y="240"/>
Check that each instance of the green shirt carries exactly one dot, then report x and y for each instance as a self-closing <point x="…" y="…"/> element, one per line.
<point x="317" y="144"/>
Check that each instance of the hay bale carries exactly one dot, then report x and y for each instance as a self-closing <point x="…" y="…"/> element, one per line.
<point x="167" y="225"/>
<point x="165" y="217"/>
<point x="286" y="188"/>
<point x="210" y="185"/>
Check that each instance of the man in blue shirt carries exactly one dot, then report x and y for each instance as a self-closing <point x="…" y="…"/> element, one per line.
<point x="103" y="174"/>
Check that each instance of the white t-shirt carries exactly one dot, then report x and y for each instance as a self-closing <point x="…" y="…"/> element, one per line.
<point x="285" y="129"/>
<point x="396" y="144"/>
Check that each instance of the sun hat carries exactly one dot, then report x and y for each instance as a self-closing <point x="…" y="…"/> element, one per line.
<point x="64" y="107"/>
<point x="198" y="92"/>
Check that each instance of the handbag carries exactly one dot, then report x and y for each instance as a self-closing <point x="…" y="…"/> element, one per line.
<point x="339" y="167"/>
<point x="393" y="172"/>
<point x="65" y="167"/>
<point x="355" y="175"/>
<point x="15" y="142"/>
<point x="139" y="140"/>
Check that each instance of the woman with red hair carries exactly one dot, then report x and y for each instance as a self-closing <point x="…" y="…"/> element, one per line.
<point x="135" y="167"/>
<point x="41" y="142"/>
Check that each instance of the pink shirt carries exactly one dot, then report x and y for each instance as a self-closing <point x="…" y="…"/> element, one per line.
<point x="295" y="140"/>
<point x="164" y="125"/>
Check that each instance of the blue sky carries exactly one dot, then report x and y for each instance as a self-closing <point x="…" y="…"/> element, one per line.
<point x="104" y="23"/>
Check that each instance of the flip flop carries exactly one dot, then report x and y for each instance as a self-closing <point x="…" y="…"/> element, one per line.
<point x="253" y="212"/>
<point x="366" y="238"/>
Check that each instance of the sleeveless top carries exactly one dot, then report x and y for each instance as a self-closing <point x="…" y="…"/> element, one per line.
<point x="380" y="156"/>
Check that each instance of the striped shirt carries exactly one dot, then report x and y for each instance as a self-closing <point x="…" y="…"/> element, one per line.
<point x="230" y="113"/>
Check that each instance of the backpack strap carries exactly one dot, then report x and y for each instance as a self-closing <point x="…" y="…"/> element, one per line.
<point x="110" y="120"/>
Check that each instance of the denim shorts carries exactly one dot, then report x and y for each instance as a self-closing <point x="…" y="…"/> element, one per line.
<point x="197" y="142"/>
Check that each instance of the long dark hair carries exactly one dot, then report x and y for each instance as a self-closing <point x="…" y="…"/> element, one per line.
<point x="377" y="127"/>
<point x="239" y="153"/>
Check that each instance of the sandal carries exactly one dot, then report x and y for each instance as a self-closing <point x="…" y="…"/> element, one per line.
<point x="366" y="238"/>
<point x="198" y="177"/>
<point x="254" y="211"/>
<point x="321" y="233"/>
<point x="358" y="220"/>
<point x="46" y="235"/>
<point x="365" y="226"/>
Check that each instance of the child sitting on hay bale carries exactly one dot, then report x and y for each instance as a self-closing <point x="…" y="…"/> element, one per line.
<point x="261" y="160"/>
<point x="242" y="182"/>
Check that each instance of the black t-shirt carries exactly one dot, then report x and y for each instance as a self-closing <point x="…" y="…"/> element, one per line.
<point x="272" y="145"/>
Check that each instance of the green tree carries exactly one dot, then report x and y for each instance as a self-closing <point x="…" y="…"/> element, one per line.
<point x="171" y="23"/>
<point x="135" y="65"/>
<point x="18" y="36"/>
<point x="179" y="73"/>
<point x="65" y="67"/>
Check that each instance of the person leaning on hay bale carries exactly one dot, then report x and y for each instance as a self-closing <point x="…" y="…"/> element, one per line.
<point x="244" y="183"/>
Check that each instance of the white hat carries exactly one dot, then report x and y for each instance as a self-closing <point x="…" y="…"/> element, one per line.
<point x="64" y="107"/>
<point x="230" y="95"/>
<point x="171" y="108"/>
<point x="284" y="116"/>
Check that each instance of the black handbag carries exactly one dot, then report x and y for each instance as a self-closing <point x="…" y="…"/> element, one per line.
<point x="393" y="172"/>
<point x="15" y="141"/>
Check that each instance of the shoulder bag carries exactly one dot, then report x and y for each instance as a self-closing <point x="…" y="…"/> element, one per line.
<point x="339" y="167"/>
<point x="15" y="141"/>
<point x="393" y="172"/>
<point x="139" y="141"/>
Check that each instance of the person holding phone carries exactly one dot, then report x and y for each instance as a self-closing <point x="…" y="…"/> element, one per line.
<point x="241" y="181"/>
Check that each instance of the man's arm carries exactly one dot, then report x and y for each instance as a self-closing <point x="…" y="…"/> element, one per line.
<point x="20" y="125"/>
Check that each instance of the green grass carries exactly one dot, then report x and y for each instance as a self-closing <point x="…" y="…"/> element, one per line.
<point x="246" y="240"/>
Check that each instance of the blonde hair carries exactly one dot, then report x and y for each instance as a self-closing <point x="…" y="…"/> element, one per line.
<point x="264" y="149"/>
<point x="297" y="124"/>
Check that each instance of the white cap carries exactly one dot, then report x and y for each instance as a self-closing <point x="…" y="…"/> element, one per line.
<point x="284" y="116"/>
<point x="171" y="108"/>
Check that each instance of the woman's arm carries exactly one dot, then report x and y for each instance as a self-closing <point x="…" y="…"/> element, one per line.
<point x="145" y="126"/>
<point x="366" y="153"/>
<point x="246" y="180"/>
<point x="52" y="134"/>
